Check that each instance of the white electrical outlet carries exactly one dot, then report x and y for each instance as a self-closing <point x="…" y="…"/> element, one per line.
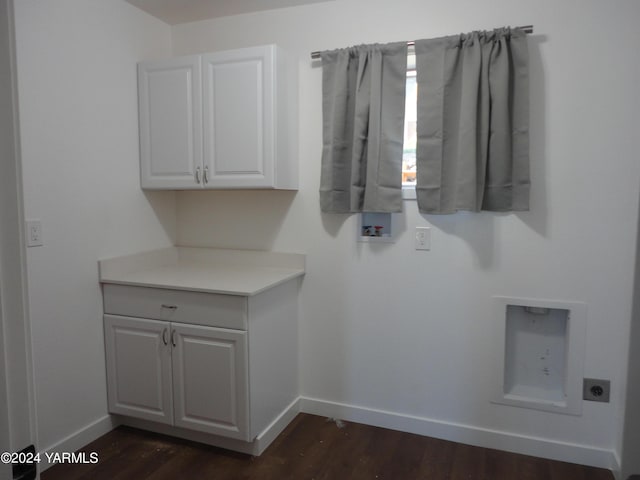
<point x="423" y="238"/>
<point x="34" y="233"/>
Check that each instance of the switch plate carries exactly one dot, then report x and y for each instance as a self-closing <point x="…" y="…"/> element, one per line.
<point x="423" y="238"/>
<point x="34" y="233"/>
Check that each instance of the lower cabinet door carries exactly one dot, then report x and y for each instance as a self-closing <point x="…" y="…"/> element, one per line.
<point x="138" y="356"/>
<point x="210" y="380"/>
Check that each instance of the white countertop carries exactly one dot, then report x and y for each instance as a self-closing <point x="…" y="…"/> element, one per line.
<point x="231" y="272"/>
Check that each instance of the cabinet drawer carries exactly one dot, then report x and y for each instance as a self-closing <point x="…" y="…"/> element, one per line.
<point x="214" y="310"/>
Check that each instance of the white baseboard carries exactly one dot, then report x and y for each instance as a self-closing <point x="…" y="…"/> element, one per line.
<point x="467" y="434"/>
<point x="78" y="439"/>
<point x="277" y="426"/>
<point x="482" y="437"/>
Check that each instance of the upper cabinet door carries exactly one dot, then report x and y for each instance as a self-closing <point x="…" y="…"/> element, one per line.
<point x="170" y="107"/>
<point x="238" y="117"/>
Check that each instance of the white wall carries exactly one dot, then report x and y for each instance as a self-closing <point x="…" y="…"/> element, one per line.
<point x="411" y="333"/>
<point x="76" y="64"/>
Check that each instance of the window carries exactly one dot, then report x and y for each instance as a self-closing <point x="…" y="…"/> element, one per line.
<point x="410" y="122"/>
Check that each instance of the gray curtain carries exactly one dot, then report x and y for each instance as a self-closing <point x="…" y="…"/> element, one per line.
<point x="473" y="122"/>
<point x="363" y="90"/>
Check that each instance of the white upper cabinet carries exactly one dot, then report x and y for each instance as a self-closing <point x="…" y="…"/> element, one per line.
<point x="219" y="120"/>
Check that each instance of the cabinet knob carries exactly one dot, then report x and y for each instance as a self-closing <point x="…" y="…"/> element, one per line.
<point x="164" y="337"/>
<point x="205" y="176"/>
<point x="169" y="307"/>
<point x="198" y="175"/>
<point x="173" y="338"/>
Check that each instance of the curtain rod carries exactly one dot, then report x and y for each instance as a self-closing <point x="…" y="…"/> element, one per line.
<point x="525" y="28"/>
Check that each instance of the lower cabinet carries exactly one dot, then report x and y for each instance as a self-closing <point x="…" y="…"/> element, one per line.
<point x="215" y="368"/>
<point x="189" y="376"/>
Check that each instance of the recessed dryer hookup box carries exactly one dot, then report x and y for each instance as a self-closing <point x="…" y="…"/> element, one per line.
<point x="540" y="346"/>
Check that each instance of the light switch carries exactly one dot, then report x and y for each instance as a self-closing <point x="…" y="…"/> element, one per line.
<point x="34" y="233"/>
<point x="423" y="238"/>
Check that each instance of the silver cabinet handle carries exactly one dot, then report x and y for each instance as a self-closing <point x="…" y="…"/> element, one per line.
<point x="173" y="338"/>
<point x="198" y="175"/>
<point x="169" y="307"/>
<point x="164" y="337"/>
<point x="206" y="174"/>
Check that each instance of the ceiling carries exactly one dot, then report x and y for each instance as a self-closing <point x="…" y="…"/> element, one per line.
<point x="183" y="11"/>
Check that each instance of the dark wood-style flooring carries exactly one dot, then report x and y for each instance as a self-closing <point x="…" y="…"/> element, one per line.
<point x="313" y="447"/>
